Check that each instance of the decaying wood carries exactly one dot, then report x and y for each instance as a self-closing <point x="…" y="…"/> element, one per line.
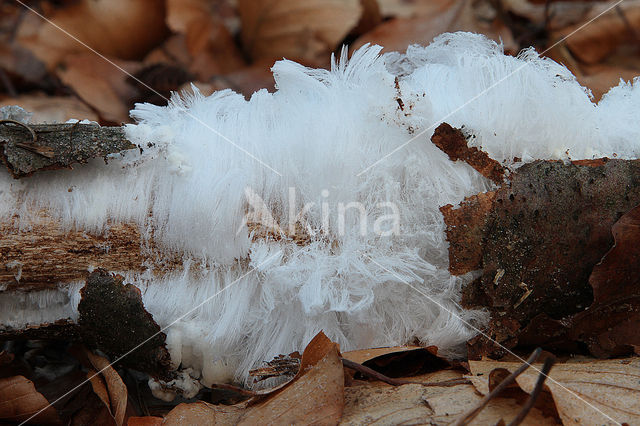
<point x="43" y="254"/>
<point x="112" y="318"/>
<point x="537" y="239"/>
<point x="453" y="143"/>
<point x="28" y="148"/>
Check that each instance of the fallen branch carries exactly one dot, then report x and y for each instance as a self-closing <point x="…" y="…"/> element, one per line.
<point x="28" y="148"/>
<point x="471" y="414"/>
<point x="533" y="397"/>
<point x="398" y="382"/>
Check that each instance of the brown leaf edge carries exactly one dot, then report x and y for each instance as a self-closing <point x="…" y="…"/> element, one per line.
<point x="21" y="402"/>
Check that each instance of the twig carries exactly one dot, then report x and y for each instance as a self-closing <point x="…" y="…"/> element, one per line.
<point x="33" y="133"/>
<point x="58" y="146"/>
<point x="471" y="414"/>
<point x="398" y="382"/>
<point x="234" y="389"/>
<point x="544" y="372"/>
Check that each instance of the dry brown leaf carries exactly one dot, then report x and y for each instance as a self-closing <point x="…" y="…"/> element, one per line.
<point x="610" y="326"/>
<point x="145" y="421"/>
<point x="379" y="403"/>
<point x="454" y="15"/>
<point x="314" y="396"/>
<point x="118" y="28"/>
<point x="370" y="17"/>
<point x="295" y="29"/>
<point x="172" y="51"/>
<point x="202" y="413"/>
<point x="363" y="355"/>
<point x="600" y="78"/>
<point x="114" y="395"/>
<point x="52" y="109"/>
<point x="207" y="39"/>
<point x="99" y="387"/>
<point x="603" y="392"/>
<point x="100" y="84"/>
<point x="413" y="8"/>
<point x="19" y="400"/>
<point x="554" y="15"/>
<point x="594" y="42"/>
<point x="181" y="13"/>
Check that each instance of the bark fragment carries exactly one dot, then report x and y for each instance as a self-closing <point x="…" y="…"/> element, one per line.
<point x="465" y="231"/>
<point x="113" y="319"/>
<point x="540" y="239"/>
<point x="56" y="146"/>
<point x="453" y="143"/>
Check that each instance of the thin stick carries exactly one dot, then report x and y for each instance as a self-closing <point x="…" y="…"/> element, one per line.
<point x="33" y="133"/>
<point x="234" y="389"/>
<point x="469" y="415"/>
<point x="544" y="372"/>
<point x="398" y="382"/>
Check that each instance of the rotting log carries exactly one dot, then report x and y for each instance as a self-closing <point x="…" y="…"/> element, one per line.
<point x="536" y="238"/>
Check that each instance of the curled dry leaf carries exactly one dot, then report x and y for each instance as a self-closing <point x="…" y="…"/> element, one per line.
<point x="303" y="30"/>
<point x="604" y="392"/>
<point x="114" y="395"/>
<point x="314" y="396"/>
<point x="117" y="28"/>
<point x="19" y="400"/>
<point x="610" y="325"/>
<point x="399" y="361"/>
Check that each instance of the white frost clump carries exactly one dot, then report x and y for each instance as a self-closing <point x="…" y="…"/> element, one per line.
<point x="323" y="138"/>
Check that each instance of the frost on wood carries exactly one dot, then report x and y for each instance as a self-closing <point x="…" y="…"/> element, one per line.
<point x="324" y="138"/>
<point x="56" y="145"/>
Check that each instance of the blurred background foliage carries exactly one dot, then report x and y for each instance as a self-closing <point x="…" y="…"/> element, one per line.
<point x="71" y="64"/>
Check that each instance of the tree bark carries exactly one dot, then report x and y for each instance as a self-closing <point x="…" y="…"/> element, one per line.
<point x="28" y="148"/>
